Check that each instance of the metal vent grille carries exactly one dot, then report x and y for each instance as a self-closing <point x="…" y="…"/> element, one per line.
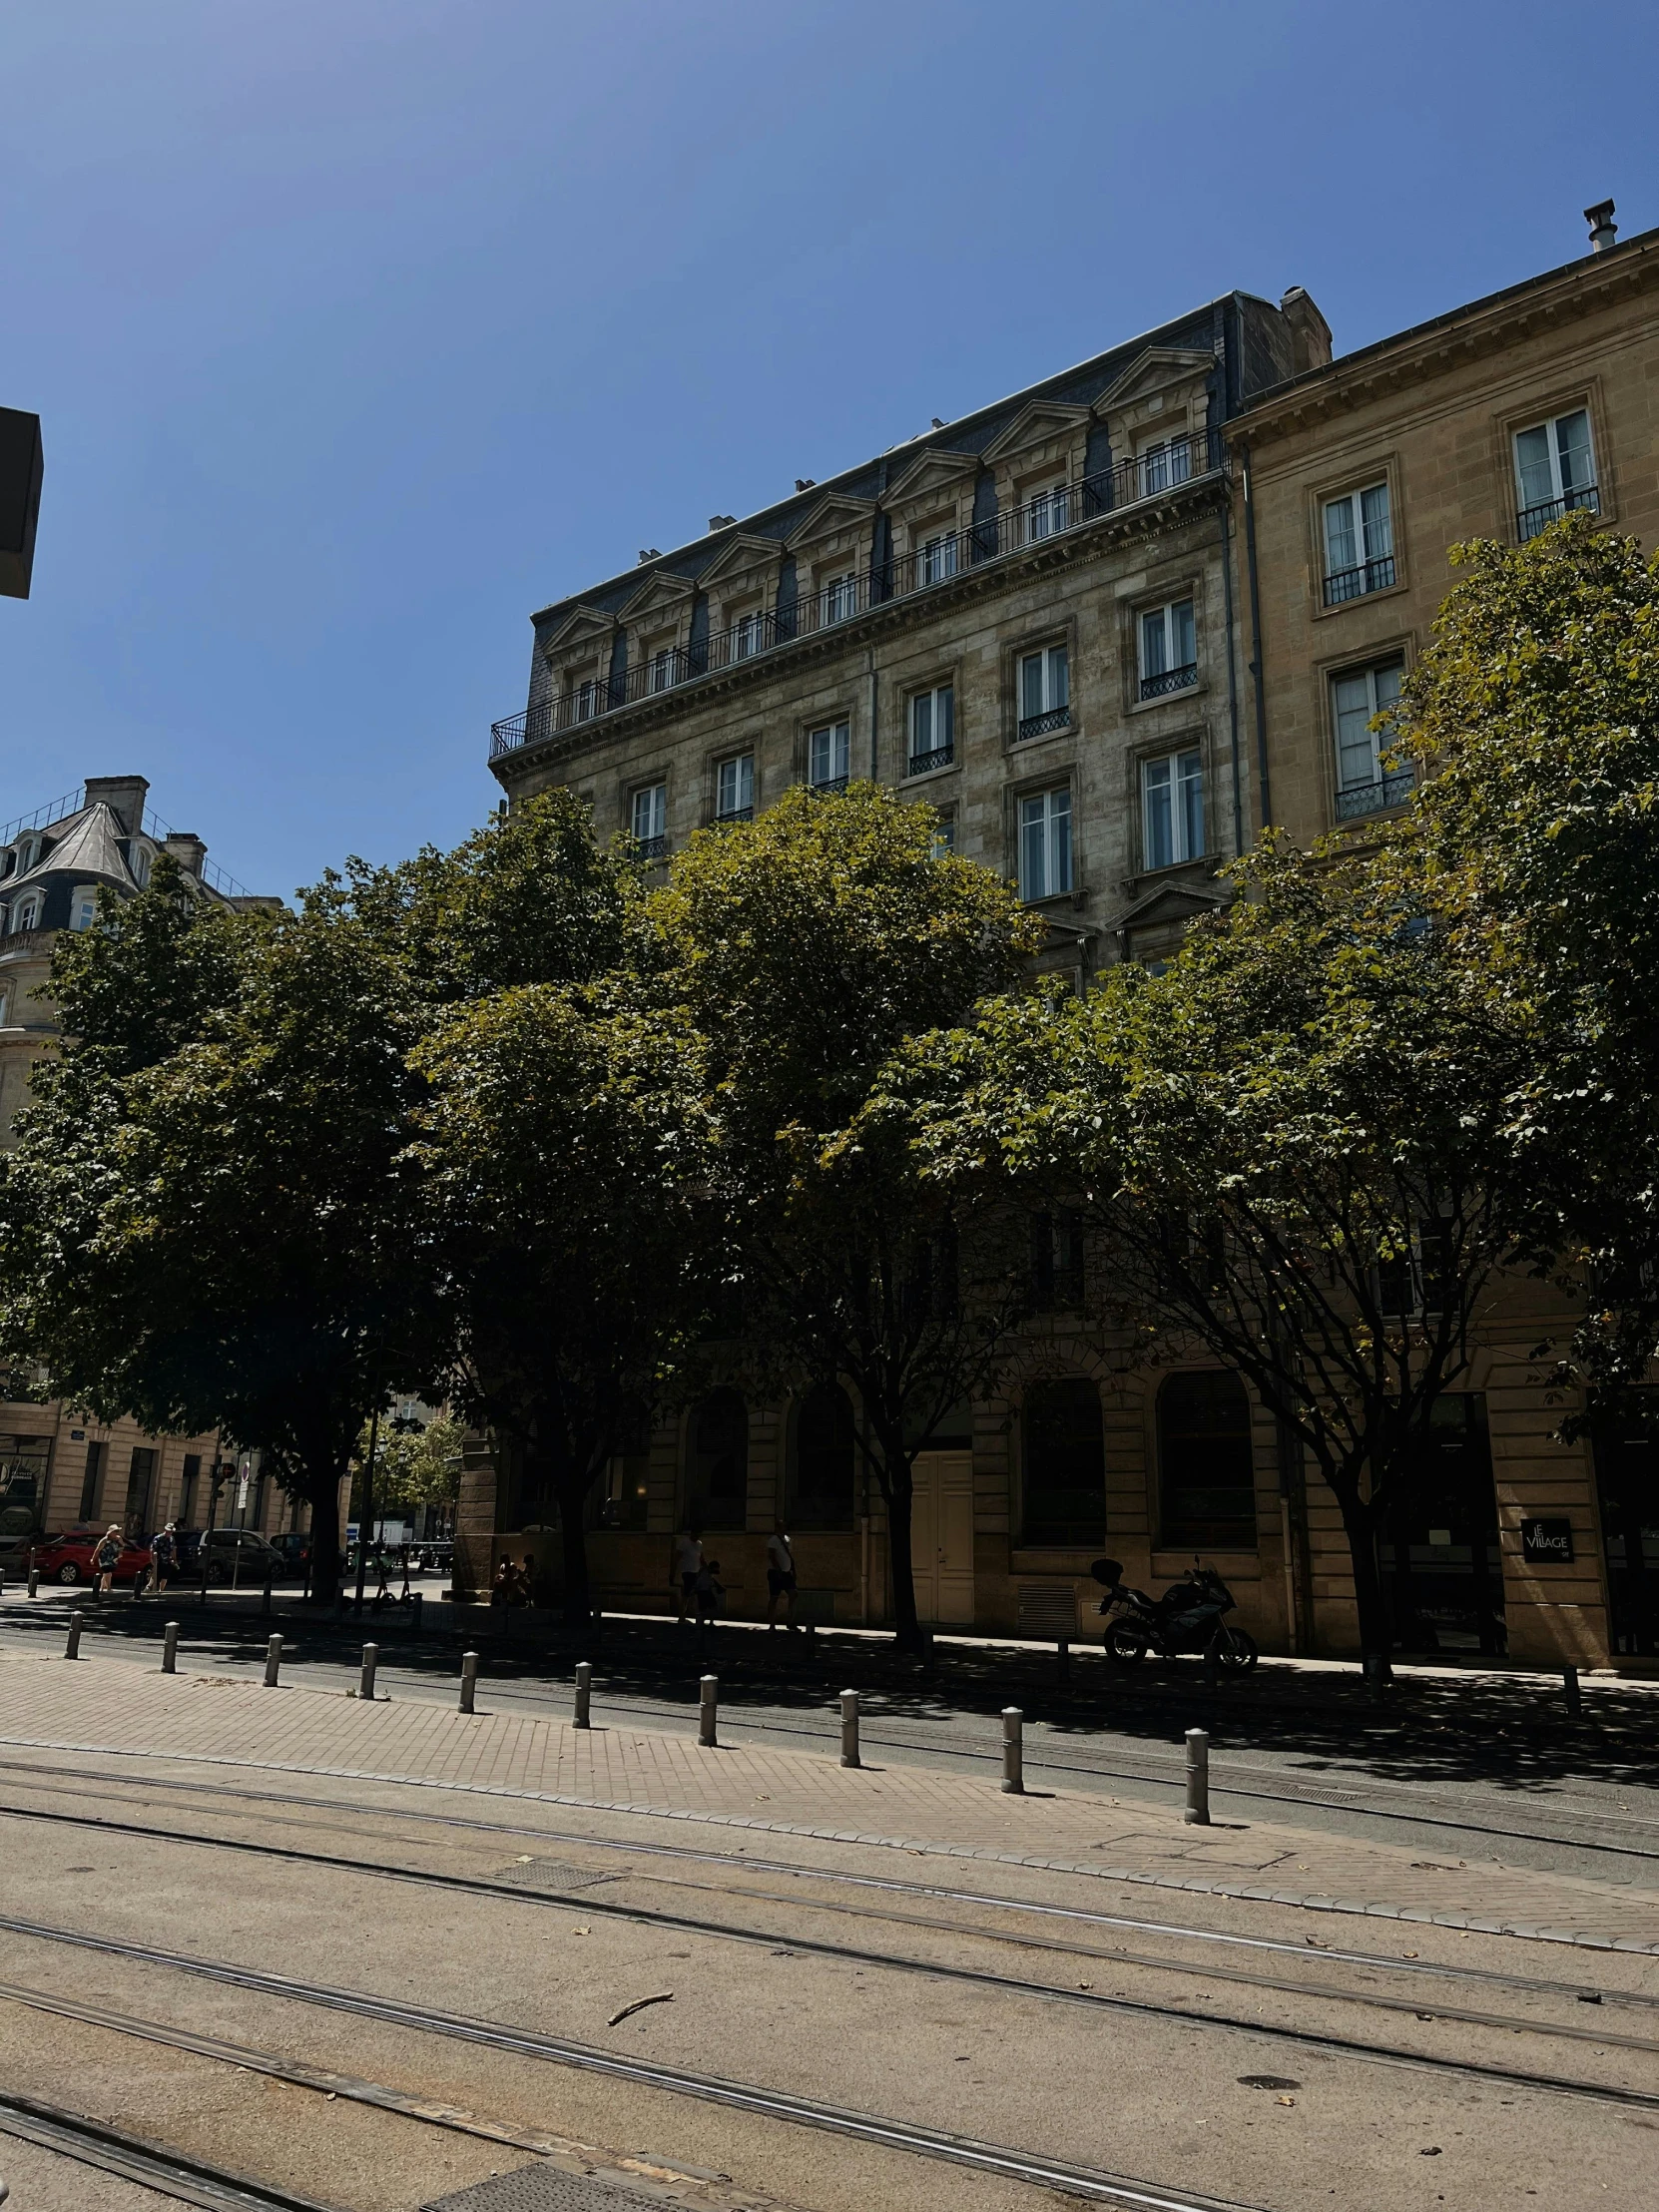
<point x="544" y="2188"/>
<point x="553" y="1876"/>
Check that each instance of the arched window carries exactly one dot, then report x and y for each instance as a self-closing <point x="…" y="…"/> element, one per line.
<point x="1206" y="1477"/>
<point x="716" y="1473"/>
<point x="26" y="913"/>
<point x="824" y="1458"/>
<point x="1063" y="1465"/>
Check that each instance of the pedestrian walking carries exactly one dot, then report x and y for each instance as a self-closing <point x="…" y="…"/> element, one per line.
<point x="781" y="1580"/>
<point x="688" y="1565"/>
<point x="107" y="1558"/>
<point x="164" y="1559"/>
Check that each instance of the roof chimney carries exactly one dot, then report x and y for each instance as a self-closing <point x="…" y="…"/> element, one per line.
<point x="187" y="849"/>
<point x="123" y="796"/>
<point x="1309" y="333"/>
<point x="1604" y="230"/>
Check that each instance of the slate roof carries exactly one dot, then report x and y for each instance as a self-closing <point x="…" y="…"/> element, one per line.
<point x="89" y="851"/>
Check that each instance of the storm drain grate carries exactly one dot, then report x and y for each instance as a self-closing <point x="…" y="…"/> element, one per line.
<point x="544" y="2189"/>
<point x="551" y="1875"/>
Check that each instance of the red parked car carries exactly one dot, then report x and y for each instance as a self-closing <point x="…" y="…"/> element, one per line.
<point x="68" y="1558"/>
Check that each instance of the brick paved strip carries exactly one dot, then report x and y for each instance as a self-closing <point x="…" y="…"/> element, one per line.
<point x="120" y="1710"/>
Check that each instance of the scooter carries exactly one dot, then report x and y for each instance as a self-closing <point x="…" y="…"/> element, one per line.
<point x="1186" y="1619"/>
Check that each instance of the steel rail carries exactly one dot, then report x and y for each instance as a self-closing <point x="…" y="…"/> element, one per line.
<point x="1332" y="1955"/>
<point x="1001" y="1984"/>
<point x="190" y="2180"/>
<point x="962" y="2150"/>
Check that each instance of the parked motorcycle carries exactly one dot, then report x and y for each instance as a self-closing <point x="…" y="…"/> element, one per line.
<point x="1187" y="1618"/>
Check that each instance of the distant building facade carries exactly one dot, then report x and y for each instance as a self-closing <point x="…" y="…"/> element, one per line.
<point x="1109" y="628"/>
<point x="57" y="1465"/>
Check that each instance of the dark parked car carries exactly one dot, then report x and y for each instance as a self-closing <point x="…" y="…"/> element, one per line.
<point x="239" y="1555"/>
<point x="294" y="1549"/>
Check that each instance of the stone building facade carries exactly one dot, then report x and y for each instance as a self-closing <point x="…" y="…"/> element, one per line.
<point x="1108" y="629"/>
<point x="57" y="1466"/>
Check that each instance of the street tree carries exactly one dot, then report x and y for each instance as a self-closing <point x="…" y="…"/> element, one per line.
<point x="564" y="1160"/>
<point x="805" y="947"/>
<point x="1534" y="843"/>
<point x="1290" y="1149"/>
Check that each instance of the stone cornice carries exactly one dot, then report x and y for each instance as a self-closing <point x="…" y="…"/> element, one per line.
<point x="1465" y="335"/>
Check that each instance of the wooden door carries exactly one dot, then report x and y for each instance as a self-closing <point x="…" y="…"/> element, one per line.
<point x="941" y="1537"/>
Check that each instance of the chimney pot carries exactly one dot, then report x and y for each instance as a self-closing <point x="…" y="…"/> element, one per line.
<point x="1604" y="230"/>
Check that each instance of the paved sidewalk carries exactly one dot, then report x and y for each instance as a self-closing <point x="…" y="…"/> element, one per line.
<point x="119" y="1709"/>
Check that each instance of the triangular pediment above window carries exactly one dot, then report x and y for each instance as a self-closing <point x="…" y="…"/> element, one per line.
<point x="661" y="594"/>
<point x="582" y="626"/>
<point x="931" y="472"/>
<point x="742" y="558"/>
<point x="1034" y="425"/>
<point x="1170" y="903"/>
<point x="1155" y="370"/>
<point x="840" y="511"/>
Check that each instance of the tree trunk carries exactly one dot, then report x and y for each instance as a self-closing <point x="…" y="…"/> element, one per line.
<point x="1369" y="1597"/>
<point x="899" y="1490"/>
<point x="322" y="1494"/>
<point x="572" y="1492"/>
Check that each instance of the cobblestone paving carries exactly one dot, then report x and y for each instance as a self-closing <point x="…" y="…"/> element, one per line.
<point x="123" y="1710"/>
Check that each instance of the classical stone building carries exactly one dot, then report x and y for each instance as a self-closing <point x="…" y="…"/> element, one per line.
<point x="57" y="1466"/>
<point x="1108" y="628"/>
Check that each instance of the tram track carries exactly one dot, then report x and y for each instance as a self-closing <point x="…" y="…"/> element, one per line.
<point x="135" y="2158"/>
<point x="884" y="1885"/>
<point x="1090" y="2182"/>
<point x="1080" y="1997"/>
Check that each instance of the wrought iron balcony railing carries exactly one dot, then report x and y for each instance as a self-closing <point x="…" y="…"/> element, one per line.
<point x="1169" y="680"/>
<point x="938" y="756"/>
<point x="651" y="848"/>
<point x="1388" y="790"/>
<point x="1531" y="520"/>
<point x="1041" y="725"/>
<point x="1354" y="582"/>
<point x="733" y="813"/>
<point x="1143" y="481"/>
<point x="832" y="784"/>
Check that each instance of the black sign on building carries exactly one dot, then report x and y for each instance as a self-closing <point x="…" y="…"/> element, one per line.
<point x="22" y="466"/>
<point x="1546" y="1539"/>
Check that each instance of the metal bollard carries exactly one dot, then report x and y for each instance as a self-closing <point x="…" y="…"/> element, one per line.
<point x="1569" y="1685"/>
<point x="72" y="1650"/>
<point x="170" y="1648"/>
<point x="371" y="1659"/>
<point x="470" y="1679"/>
<point x="584" y="1693"/>
<point x="273" y="1662"/>
<point x="417" y="1612"/>
<point x="850" y="1729"/>
<point x="1064" y="1669"/>
<point x="708" y="1710"/>
<point x="1198" y="1777"/>
<point x="34" y="1581"/>
<point x="1013" y="1751"/>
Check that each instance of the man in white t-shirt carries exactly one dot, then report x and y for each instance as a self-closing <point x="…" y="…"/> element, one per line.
<point x="779" y="1576"/>
<point x="688" y="1565"/>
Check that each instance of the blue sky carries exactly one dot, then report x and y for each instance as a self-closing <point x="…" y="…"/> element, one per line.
<point x="360" y="329"/>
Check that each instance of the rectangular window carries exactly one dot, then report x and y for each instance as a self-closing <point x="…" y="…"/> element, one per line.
<point x="1046" y="843"/>
<point x="1044" y="692"/>
<point x="92" y="1480"/>
<point x="1166" y="462"/>
<point x="1554" y="472"/>
<point x="585" y="700"/>
<point x="933" y="728"/>
<point x="83" y="910"/>
<point x="651" y="820"/>
<point x="945" y="835"/>
<point x="734" y="788"/>
<point x="1169" y="650"/>
<point x="190" y="1485"/>
<point x="1359" y="544"/>
<point x="140" y="1487"/>
<point x="937" y="560"/>
<point x="748" y="636"/>
<point x="1356" y="699"/>
<point x="1048" y="512"/>
<point x="828" y="757"/>
<point x="841" y="598"/>
<point x="664" y="669"/>
<point x="1172" y="810"/>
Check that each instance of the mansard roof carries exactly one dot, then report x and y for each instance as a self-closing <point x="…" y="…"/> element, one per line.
<point x="88" y="849"/>
<point x="1246" y="334"/>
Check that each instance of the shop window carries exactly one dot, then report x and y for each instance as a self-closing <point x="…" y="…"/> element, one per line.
<point x="1063" y="1465"/>
<point x="824" y="1458"/>
<point x="1206" y="1471"/>
<point x="718" y="1475"/>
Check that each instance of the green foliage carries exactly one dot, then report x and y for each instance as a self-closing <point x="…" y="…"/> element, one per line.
<point x="415" y="1466"/>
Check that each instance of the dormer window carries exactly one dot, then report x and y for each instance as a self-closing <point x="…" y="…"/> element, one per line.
<point x="841" y="598"/>
<point x="584" y="700"/>
<point x="83" y="907"/>
<point x="26" y="913"/>
<point x="937" y="558"/>
<point x="1165" y="462"/>
<point x="1048" y="512"/>
<point x="665" y="668"/>
<point x="748" y="636"/>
